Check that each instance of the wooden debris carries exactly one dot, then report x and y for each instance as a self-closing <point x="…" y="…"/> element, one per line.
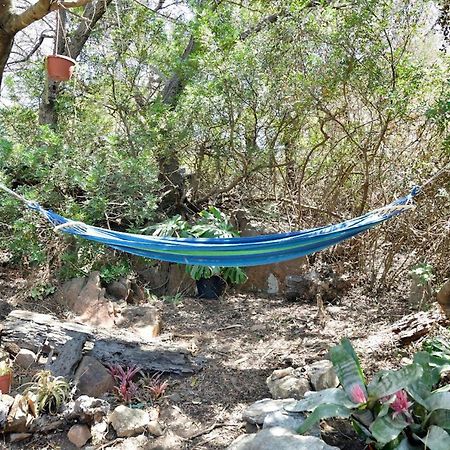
<point x="31" y="330"/>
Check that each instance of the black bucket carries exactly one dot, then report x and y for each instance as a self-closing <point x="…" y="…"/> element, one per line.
<point x="211" y="288"/>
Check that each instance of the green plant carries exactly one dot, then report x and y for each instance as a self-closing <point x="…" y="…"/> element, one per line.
<point x="41" y="291"/>
<point x="398" y="409"/>
<point x="423" y="273"/>
<point x="175" y="299"/>
<point x="48" y="393"/>
<point x="211" y="223"/>
<point x="5" y="368"/>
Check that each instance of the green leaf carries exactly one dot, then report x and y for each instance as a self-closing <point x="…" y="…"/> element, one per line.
<point x="386" y="383"/>
<point x="312" y="400"/>
<point x="405" y="445"/>
<point x="385" y="429"/>
<point x="438" y="400"/>
<point x="441" y="418"/>
<point x="437" y="439"/>
<point x="324" y="411"/>
<point x="347" y="367"/>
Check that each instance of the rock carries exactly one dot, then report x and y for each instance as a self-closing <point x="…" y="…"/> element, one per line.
<point x="87" y="409"/>
<point x="79" y="435"/>
<point x="443" y="298"/>
<point x="155" y="428"/>
<point x="18" y="437"/>
<point x="92" y="378"/>
<point x="279" y="439"/>
<point x="144" y="320"/>
<point x="257" y="411"/>
<point x="129" y="422"/>
<point x="170" y="441"/>
<point x="133" y="443"/>
<point x="119" y="289"/>
<point x="86" y="298"/>
<point x="322" y="375"/>
<point x="288" y="383"/>
<point x="99" y="431"/>
<point x="25" y="358"/>
<point x="18" y="417"/>
<point x="302" y="287"/>
<point x="137" y="294"/>
<point x="290" y="421"/>
<point x="6" y="401"/>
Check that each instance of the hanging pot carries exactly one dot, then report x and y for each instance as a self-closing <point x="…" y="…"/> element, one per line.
<point x="5" y="383"/>
<point x="59" y="68"/>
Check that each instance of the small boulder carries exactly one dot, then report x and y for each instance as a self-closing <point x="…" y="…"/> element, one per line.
<point x="290" y="421"/>
<point x="18" y="417"/>
<point x="79" y="435"/>
<point x="155" y="428"/>
<point x="322" y="375"/>
<point x="92" y="378"/>
<point x="280" y="439"/>
<point x="18" y="437"/>
<point x="134" y="443"/>
<point x="257" y="412"/>
<point x="129" y="422"/>
<point x="6" y="401"/>
<point x="87" y="409"/>
<point x="25" y="358"/>
<point x="119" y="289"/>
<point x="288" y="383"/>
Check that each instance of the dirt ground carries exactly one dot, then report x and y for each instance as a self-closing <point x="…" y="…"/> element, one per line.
<point x="241" y="340"/>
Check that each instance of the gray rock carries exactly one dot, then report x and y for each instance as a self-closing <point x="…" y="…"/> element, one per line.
<point x="288" y="383"/>
<point x="133" y="443"/>
<point x="79" y="435"/>
<point x="279" y="439"/>
<point x="18" y="437"/>
<point x="25" y="358"/>
<point x="257" y="412"/>
<point x="155" y="428"/>
<point x="92" y="378"/>
<point x="129" y="422"/>
<point x="322" y="375"/>
<point x="119" y="289"/>
<point x="290" y="421"/>
<point x="88" y="408"/>
<point x="6" y="402"/>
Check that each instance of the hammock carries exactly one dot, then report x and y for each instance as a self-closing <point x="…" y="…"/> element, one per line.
<point x="228" y="252"/>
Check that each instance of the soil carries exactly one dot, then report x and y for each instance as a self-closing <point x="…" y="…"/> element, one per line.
<point x="241" y="339"/>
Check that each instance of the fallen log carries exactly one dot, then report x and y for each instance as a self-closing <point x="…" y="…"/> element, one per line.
<point x="34" y="331"/>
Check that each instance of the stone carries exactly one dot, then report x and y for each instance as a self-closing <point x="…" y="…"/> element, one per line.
<point x="322" y="375"/>
<point x="18" y="417"/>
<point x="288" y="383"/>
<point x="92" y="378"/>
<point x="257" y="412"/>
<point x="143" y="320"/>
<point x="25" y="358"/>
<point x="18" y="437"/>
<point x="137" y="294"/>
<point x="290" y="421"/>
<point x="99" y="431"/>
<point x="86" y="298"/>
<point x="155" y="428"/>
<point x="6" y="401"/>
<point x="119" y="289"/>
<point x="129" y="422"/>
<point x="87" y="409"/>
<point x="280" y="439"/>
<point x="170" y="441"/>
<point x="443" y="298"/>
<point x="79" y="434"/>
<point x="133" y="443"/>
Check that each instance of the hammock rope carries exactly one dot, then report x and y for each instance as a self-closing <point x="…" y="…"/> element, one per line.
<point x="230" y="252"/>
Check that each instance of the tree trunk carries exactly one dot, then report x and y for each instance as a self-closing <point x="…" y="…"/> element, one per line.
<point x="6" y="43"/>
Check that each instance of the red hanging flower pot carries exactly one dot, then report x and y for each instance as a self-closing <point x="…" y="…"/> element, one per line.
<point x="59" y="68"/>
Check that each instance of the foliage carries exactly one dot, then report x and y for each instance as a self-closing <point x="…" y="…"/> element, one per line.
<point x="48" y="393"/>
<point x="156" y="386"/>
<point x="423" y="273"/>
<point x="41" y="291"/>
<point x="397" y="409"/>
<point x="5" y="368"/>
<point x="126" y="389"/>
<point x="211" y="223"/>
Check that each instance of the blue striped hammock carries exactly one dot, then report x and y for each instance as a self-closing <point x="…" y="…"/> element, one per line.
<point x="230" y="252"/>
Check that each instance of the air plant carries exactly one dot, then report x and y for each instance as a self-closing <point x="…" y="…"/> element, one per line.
<point x="126" y="389"/>
<point x="47" y="392"/>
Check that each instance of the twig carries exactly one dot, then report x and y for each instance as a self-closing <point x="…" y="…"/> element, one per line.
<point x="229" y="327"/>
<point x="213" y="427"/>
<point x="107" y="444"/>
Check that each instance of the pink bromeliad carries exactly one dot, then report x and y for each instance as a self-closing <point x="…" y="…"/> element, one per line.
<point x="401" y="405"/>
<point x="357" y="394"/>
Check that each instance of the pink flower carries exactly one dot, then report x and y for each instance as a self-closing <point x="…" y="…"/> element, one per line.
<point x="400" y="405"/>
<point x="357" y="394"/>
